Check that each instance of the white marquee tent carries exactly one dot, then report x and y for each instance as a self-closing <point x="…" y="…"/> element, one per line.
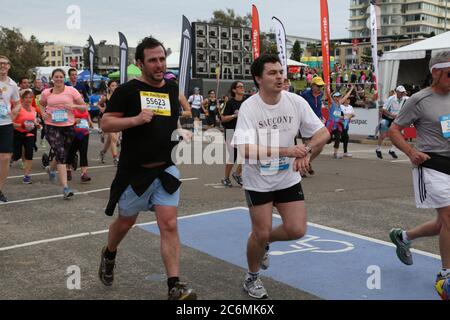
<point x="409" y="64"/>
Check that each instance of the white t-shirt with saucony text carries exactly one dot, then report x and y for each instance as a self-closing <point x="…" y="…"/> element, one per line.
<point x="9" y="92"/>
<point x="275" y="126"/>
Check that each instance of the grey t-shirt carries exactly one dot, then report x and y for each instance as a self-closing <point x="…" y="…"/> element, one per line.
<point x="427" y="110"/>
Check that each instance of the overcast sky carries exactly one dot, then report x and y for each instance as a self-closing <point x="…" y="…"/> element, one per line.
<point x="47" y="20"/>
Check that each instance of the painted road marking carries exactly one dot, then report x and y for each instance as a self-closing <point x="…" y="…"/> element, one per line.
<point x="45" y="173"/>
<point x="86" y="234"/>
<point x="76" y="193"/>
<point x="329" y="263"/>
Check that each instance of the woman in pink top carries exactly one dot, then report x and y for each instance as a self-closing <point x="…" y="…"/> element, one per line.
<point x="24" y="125"/>
<point x="57" y="105"/>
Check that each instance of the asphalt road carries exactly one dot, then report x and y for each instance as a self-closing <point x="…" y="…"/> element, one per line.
<point x="363" y="195"/>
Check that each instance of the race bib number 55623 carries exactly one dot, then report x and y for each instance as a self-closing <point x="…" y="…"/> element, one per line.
<point x="159" y="103"/>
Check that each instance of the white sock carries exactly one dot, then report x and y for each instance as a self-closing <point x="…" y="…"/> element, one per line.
<point x="405" y="237"/>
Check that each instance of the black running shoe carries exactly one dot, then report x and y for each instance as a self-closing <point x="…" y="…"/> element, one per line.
<point x="393" y="154"/>
<point x="379" y="155"/>
<point x="182" y="292"/>
<point x="2" y="197"/>
<point x="106" y="269"/>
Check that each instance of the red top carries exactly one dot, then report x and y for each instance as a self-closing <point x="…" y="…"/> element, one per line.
<point x="26" y="120"/>
<point x="83" y="126"/>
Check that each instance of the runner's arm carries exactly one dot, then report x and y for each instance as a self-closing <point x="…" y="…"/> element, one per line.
<point x="260" y="152"/>
<point x="115" y="122"/>
<point x="318" y="141"/>
<point x="185" y="105"/>
<point x="15" y="108"/>
<point x="395" y="134"/>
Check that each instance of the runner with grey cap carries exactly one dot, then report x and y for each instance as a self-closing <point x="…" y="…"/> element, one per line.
<point x="429" y="111"/>
<point x="389" y="112"/>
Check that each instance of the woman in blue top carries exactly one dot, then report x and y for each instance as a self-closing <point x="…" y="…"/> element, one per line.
<point x="335" y="122"/>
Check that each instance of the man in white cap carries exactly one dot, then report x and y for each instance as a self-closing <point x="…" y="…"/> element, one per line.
<point x="390" y="110"/>
<point x="429" y="111"/>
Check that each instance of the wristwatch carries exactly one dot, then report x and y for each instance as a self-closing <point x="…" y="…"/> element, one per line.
<point x="309" y="149"/>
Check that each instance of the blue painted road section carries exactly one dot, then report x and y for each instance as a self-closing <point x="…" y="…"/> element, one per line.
<point x="324" y="263"/>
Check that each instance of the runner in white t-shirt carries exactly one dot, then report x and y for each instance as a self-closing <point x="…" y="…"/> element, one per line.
<point x="8" y="111"/>
<point x="196" y="100"/>
<point x="267" y="126"/>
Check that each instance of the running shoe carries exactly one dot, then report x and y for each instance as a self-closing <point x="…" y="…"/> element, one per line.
<point x="102" y="157"/>
<point x="403" y="249"/>
<point x="337" y="156"/>
<point x="67" y="193"/>
<point x="116" y="161"/>
<point x="379" y="154"/>
<point x="27" y="180"/>
<point x="443" y="286"/>
<point x="393" y="154"/>
<point x="21" y="164"/>
<point x="182" y="292"/>
<point x="237" y="178"/>
<point x="347" y="155"/>
<point x="265" y="261"/>
<point x="106" y="269"/>
<point x="226" y="182"/>
<point x="85" y="178"/>
<point x="3" y="197"/>
<point x="255" y="288"/>
<point x="51" y="174"/>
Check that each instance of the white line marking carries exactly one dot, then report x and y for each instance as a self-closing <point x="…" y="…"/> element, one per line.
<point x="346" y="233"/>
<point x="45" y="173"/>
<point x="405" y="160"/>
<point x="85" y="234"/>
<point x="77" y="193"/>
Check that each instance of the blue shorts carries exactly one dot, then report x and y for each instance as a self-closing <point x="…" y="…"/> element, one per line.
<point x="384" y="126"/>
<point x="130" y="204"/>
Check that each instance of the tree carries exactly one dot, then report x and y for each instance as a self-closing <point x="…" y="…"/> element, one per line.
<point x="297" y="51"/>
<point x="366" y="57"/>
<point x="229" y="18"/>
<point x="268" y="43"/>
<point x="313" y="49"/>
<point x="23" y="54"/>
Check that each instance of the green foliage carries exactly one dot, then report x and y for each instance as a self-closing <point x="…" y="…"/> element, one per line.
<point x="229" y="18"/>
<point x="297" y="51"/>
<point x="24" y="54"/>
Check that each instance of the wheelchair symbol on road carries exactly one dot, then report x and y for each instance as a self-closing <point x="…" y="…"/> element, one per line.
<point x="304" y="245"/>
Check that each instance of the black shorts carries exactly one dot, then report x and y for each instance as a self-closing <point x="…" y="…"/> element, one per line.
<point x="291" y="194"/>
<point x="195" y="113"/>
<point x="212" y="118"/>
<point x="6" y="138"/>
<point x="26" y="141"/>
